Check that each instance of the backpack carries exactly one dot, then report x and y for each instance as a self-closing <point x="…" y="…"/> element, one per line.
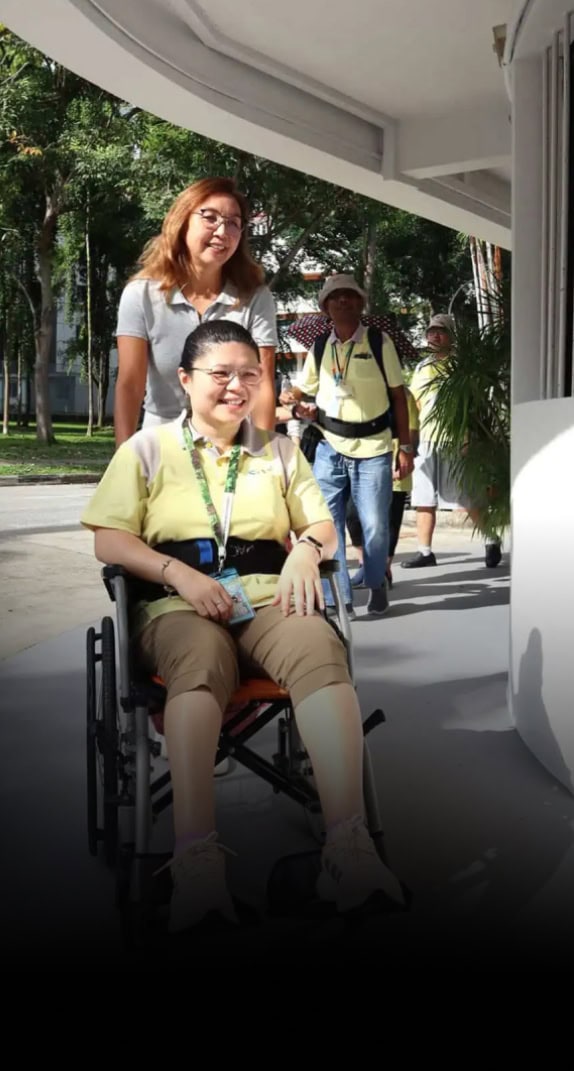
<point x="375" y="337"/>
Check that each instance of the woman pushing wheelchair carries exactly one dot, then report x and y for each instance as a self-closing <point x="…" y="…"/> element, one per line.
<point x="200" y="510"/>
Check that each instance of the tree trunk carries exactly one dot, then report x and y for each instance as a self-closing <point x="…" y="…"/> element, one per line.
<point x="90" y="370"/>
<point x="5" y="371"/>
<point x="26" y="418"/>
<point x="103" y="387"/>
<point x="478" y="276"/>
<point x="370" y="262"/>
<point x="45" y="332"/>
<point x="19" y="384"/>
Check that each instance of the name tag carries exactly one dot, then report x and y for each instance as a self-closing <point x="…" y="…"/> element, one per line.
<point x="242" y="608"/>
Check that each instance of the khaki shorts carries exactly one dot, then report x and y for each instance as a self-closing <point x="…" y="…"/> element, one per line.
<point x="434" y="485"/>
<point x="302" y="654"/>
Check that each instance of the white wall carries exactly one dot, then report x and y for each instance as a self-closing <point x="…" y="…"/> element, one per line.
<point x="542" y="592"/>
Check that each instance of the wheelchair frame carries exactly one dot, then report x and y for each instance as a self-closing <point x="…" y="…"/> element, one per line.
<point x="123" y="805"/>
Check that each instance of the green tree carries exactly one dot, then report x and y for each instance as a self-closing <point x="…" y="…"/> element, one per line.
<point x="59" y="139"/>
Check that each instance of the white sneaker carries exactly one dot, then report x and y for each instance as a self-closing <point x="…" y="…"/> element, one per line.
<point x="352" y="869"/>
<point x="222" y="767"/>
<point x="199" y="885"/>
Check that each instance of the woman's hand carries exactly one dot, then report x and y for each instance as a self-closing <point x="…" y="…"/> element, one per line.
<point x="207" y="596"/>
<point x="300" y="582"/>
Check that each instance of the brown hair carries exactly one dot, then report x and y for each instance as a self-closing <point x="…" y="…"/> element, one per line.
<point x="166" y="259"/>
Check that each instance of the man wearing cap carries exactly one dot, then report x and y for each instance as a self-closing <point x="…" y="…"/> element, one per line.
<point x="353" y="408"/>
<point x="433" y="483"/>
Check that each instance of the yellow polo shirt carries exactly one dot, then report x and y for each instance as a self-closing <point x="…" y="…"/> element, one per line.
<point x="369" y="392"/>
<point x="150" y="489"/>
<point x="421" y="385"/>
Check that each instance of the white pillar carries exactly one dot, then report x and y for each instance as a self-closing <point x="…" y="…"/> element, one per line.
<point x="542" y="594"/>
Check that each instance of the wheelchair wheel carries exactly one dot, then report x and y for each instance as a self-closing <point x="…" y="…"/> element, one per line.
<point x="102" y="742"/>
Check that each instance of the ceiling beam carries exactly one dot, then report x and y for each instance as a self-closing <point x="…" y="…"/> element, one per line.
<point x="472" y="140"/>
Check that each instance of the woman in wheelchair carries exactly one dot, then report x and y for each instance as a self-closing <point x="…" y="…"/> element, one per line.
<point x="201" y="510"/>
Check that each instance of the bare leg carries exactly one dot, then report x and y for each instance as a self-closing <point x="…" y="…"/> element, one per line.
<point x="329" y="722"/>
<point x="192" y="726"/>
<point x="426" y="520"/>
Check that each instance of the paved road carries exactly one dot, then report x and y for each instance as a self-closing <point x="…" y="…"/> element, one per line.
<point x="42" y="508"/>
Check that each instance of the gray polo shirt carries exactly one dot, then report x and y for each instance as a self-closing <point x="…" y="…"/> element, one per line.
<point x="145" y="313"/>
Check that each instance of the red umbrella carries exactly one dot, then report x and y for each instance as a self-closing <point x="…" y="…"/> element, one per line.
<point x="307" y="328"/>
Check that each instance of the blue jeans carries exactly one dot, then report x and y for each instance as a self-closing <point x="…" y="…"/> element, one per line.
<point x="370" y="484"/>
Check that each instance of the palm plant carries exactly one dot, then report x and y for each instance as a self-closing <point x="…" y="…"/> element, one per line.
<point x="472" y="413"/>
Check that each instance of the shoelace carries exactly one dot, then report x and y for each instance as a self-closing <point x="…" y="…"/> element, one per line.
<point x="354" y="840"/>
<point x="201" y="850"/>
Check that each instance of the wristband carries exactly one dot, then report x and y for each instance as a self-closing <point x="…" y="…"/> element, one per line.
<point x="313" y="543"/>
<point x="167" y="587"/>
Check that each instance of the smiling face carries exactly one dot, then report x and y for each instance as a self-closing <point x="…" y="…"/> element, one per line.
<point x="213" y="401"/>
<point x="212" y="246"/>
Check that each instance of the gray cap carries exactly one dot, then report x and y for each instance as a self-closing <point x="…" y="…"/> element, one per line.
<point x="338" y="282"/>
<point x="443" y="320"/>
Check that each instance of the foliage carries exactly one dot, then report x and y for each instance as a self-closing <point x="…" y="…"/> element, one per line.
<point x="86" y="179"/>
<point x="472" y="412"/>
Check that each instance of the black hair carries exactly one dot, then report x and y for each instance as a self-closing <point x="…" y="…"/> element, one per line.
<point x="210" y="334"/>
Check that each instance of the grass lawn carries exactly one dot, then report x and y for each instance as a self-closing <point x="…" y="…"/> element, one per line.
<point x="73" y="453"/>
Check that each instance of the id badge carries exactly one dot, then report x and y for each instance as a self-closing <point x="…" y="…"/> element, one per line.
<point x="333" y="408"/>
<point x="242" y="608"/>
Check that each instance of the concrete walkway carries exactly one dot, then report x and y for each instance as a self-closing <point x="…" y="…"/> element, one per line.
<point x="474" y="825"/>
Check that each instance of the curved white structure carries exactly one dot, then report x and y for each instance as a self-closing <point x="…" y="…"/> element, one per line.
<point x="411" y="113"/>
<point x="406" y="103"/>
<point x="539" y="54"/>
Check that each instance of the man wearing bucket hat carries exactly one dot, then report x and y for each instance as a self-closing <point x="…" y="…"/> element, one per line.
<point x="433" y="483"/>
<point x="356" y="392"/>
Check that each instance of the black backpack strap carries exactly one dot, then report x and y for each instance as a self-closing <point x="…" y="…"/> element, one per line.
<point x="376" y="343"/>
<point x="376" y="340"/>
<point x="319" y="349"/>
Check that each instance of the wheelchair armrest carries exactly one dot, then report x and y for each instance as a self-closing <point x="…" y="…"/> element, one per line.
<point x="110" y="573"/>
<point x="327" y="568"/>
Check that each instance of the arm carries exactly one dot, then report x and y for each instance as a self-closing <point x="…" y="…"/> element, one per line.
<point x="130" y="385"/>
<point x="405" y="461"/>
<point x="264" y="408"/>
<point x="283" y="414"/>
<point x="263" y="327"/>
<point x="207" y="597"/>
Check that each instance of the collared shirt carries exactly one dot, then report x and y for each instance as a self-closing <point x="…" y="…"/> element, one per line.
<point x="150" y="489"/>
<point x="421" y="386"/>
<point x="369" y="393"/>
<point x="165" y="321"/>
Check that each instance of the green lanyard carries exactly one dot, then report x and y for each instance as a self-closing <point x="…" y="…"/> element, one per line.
<point x="220" y="533"/>
<point x="339" y="375"/>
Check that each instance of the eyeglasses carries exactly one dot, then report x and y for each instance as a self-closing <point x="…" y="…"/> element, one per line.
<point x="223" y="376"/>
<point x="213" y="221"/>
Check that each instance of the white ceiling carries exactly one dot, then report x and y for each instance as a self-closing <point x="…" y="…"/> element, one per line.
<point x="401" y="100"/>
<point x="405" y="58"/>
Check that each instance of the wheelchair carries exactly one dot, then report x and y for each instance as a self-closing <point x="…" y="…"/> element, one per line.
<point x="127" y="789"/>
